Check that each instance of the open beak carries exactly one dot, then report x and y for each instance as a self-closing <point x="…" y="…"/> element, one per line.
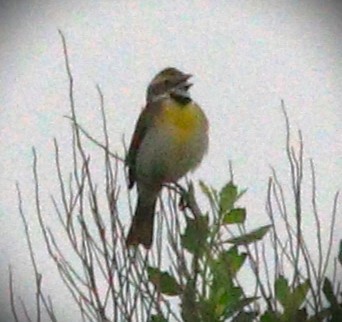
<point x="182" y="87"/>
<point x="184" y="83"/>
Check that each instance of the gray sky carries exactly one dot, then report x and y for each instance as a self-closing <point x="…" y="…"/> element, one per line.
<point x="245" y="57"/>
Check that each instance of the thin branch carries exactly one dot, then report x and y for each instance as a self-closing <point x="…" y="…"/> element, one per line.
<point x="13" y="308"/>
<point x="95" y="141"/>
<point x="38" y="276"/>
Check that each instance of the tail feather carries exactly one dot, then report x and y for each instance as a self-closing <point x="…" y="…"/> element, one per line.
<point x="141" y="230"/>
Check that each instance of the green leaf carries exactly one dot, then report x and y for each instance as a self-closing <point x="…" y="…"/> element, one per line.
<point x="291" y="300"/>
<point x="329" y="292"/>
<point x="230" y="300"/>
<point x="299" y="294"/>
<point x="210" y="193"/>
<point x="223" y="294"/>
<point x="219" y="303"/>
<point x="221" y="285"/>
<point x="282" y="290"/>
<point x="235" y="216"/>
<point x="238" y="307"/>
<point x="228" y="195"/>
<point x="157" y="318"/>
<point x="232" y="260"/>
<point x="224" y="269"/>
<point x="251" y="237"/>
<point x="206" y="309"/>
<point x="163" y="281"/>
<point x="195" y="236"/>
<point x="269" y="316"/>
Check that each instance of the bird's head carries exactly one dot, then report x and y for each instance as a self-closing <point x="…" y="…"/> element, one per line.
<point x="170" y="81"/>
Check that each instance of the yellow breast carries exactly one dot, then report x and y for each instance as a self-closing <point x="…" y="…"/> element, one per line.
<point x="184" y="120"/>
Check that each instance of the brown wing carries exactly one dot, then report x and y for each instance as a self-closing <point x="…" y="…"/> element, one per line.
<point x="145" y="121"/>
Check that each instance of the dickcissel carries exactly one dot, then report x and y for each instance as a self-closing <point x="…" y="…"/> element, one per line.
<point x="170" y="139"/>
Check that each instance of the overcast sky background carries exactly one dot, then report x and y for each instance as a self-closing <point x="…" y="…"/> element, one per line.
<point x="245" y="56"/>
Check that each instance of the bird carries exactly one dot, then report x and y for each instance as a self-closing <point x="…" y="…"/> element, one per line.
<point x="170" y="139"/>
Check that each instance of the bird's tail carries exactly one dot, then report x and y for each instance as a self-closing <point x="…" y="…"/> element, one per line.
<point x="141" y="230"/>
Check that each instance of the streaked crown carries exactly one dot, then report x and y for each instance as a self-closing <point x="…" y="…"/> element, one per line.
<point x="169" y="81"/>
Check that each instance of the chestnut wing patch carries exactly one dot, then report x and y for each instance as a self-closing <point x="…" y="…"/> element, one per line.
<point x="143" y="124"/>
